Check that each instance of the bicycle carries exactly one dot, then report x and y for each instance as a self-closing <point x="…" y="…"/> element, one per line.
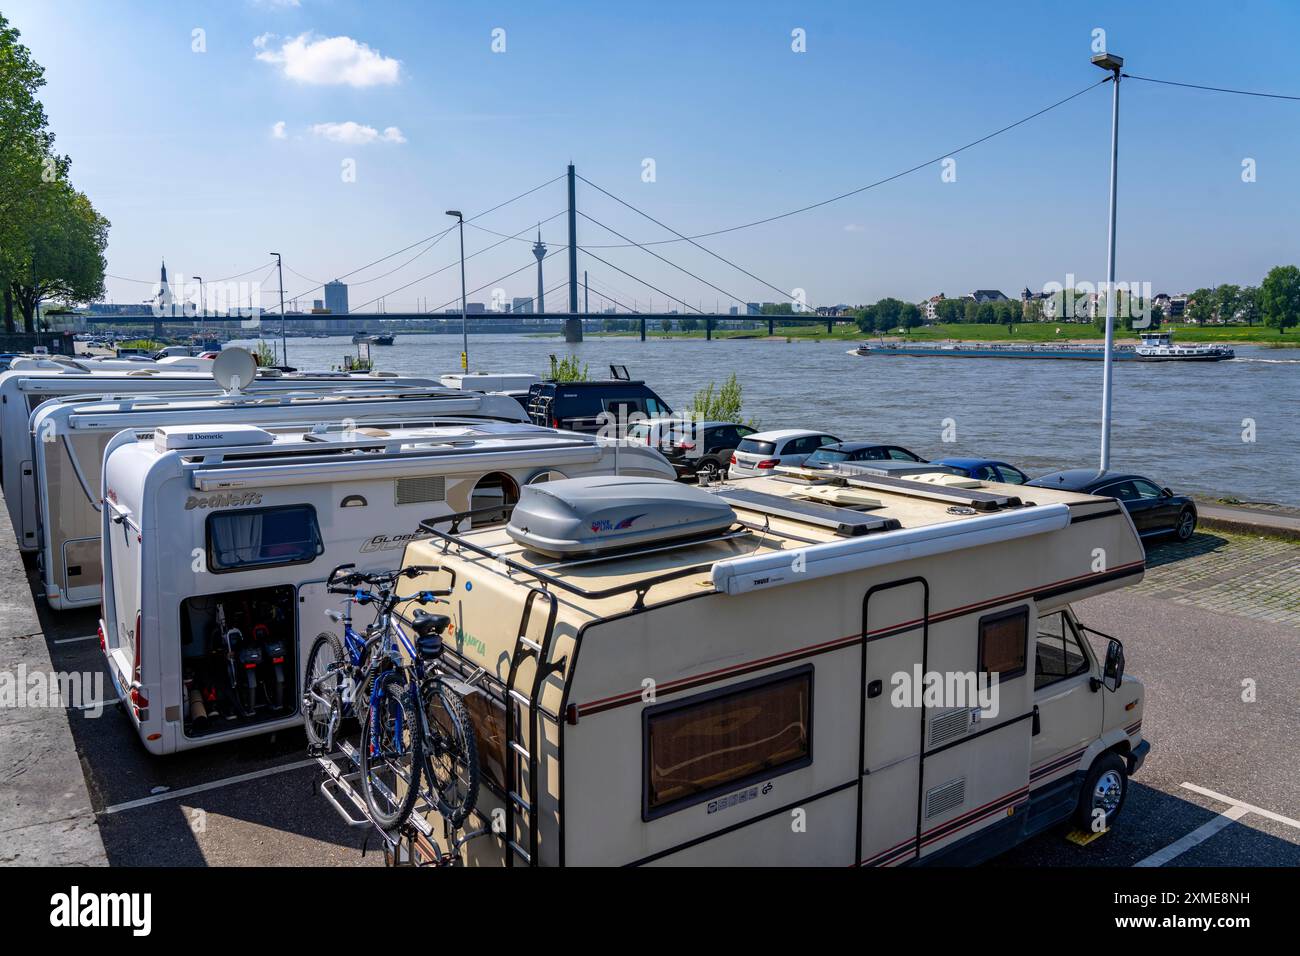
<point x="415" y="722"/>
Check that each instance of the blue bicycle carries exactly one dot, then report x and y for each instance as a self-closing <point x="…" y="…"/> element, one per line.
<point x="413" y="723"/>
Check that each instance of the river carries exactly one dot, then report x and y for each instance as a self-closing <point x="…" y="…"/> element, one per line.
<point x="1223" y="429"/>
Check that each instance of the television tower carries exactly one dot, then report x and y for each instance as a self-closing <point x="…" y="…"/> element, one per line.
<point x="539" y="250"/>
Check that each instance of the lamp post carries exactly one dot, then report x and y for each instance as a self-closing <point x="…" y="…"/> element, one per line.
<point x="202" y="311"/>
<point x="1113" y="64"/>
<point x="464" y="327"/>
<point x="284" y="342"/>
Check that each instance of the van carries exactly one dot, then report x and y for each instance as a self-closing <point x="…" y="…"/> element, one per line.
<point x="591" y="406"/>
<point x="849" y="670"/>
<point x="71" y="438"/>
<point x="217" y="539"/>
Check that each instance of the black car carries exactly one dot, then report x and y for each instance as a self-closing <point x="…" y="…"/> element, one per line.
<point x="1155" y="510"/>
<point x="694" y="448"/>
<point x="587" y="406"/>
<point x="850" y="451"/>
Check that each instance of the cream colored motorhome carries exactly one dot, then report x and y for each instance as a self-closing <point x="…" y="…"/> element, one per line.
<point x="783" y="670"/>
<point x="71" y="438"/>
<point x="208" y="527"/>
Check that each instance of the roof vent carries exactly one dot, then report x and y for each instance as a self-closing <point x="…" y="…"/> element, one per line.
<point x="173" y="437"/>
<point x="586" y="516"/>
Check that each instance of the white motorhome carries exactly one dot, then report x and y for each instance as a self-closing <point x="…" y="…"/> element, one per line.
<point x="71" y="438"/>
<point x="209" y="529"/>
<point x="21" y="392"/>
<point x="887" y="672"/>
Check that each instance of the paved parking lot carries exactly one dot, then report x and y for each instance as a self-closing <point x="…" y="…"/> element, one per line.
<point x="1214" y="618"/>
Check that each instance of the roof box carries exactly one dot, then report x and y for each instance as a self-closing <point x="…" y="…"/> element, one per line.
<point x="173" y="437"/>
<point x="577" y="517"/>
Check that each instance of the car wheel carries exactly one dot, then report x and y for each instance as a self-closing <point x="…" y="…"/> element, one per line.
<point x="1186" y="526"/>
<point x="1103" y="793"/>
<point x="709" y="471"/>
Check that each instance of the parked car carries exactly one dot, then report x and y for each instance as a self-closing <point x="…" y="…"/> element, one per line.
<point x="850" y="451"/>
<point x="585" y="406"/>
<point x="759" y="453"/>
<point x="986" y="469"/>
<point x="1155" y="510"/>
<point x="693" y="448"/>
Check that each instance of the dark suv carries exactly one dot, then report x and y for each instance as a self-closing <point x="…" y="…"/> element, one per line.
<point x="586" y="406"/>
<point x="693" y="448"/>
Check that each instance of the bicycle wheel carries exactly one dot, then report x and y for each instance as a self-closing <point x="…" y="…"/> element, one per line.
<point x="451" y="759"/>
<point x="316" y="716"/>
<point x="391" y="752"/>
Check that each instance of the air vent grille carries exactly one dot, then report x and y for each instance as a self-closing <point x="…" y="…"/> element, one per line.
<point x="409" y="491"/>
<point x="949" y="726"/>
<point x="945" y="797"/>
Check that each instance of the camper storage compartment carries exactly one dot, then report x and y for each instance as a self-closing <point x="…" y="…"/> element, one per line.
<point x="239" y="659"/>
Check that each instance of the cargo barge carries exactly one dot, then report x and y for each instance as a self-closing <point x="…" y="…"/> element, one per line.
<point x="1154" y="347"/>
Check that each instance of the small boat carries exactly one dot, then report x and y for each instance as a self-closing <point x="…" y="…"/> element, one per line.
<point x="384" y="339"/>
<point x="359" y="337"/>
<point x="1153" y="347"/>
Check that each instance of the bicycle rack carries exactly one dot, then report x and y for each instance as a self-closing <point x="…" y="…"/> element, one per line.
<point x="341" y="788"/>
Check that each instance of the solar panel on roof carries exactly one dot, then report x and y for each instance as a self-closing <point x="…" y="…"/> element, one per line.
<point x="843" y="521"/>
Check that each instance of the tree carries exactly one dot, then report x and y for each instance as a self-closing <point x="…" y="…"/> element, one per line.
<point x="666" y="325"/>
<point x="60" y="254"/>
<point x="689" y="325"/>
<point x="1279" y="297"/>
<point x="1227" y="302"/>
<point x="1200" y="305"/>
<point x="567" y="369"/>
<point x="1248" y="305"/>
<point x="721" y="405"/>
<point x="909" y="316"/>
<point x="866" y="318"/>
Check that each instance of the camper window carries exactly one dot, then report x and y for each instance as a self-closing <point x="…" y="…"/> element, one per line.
<point x="263" y="537"/>
<point x="1058" y="653"/>
<point x="723" y="741"/>
<point x="1003" y="643"/>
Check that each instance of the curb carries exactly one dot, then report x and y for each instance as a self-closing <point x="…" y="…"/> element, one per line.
<point x="46" y="817"/>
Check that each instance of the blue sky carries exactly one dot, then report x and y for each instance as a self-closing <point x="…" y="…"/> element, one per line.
<point x="178" y="147"/>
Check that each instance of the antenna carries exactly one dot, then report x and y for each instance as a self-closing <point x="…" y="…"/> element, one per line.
<point x="234" y="368"/>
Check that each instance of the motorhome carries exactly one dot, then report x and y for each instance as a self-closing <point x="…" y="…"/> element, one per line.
<point x="887" y="671"/>
<point x="71" y="438"/>
<point x="21" y="392"/>
<point x="217" y="540"/>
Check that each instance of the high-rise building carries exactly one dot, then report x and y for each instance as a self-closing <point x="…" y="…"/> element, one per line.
<point x="336" y="297"/>
<point x="521" y="305"/>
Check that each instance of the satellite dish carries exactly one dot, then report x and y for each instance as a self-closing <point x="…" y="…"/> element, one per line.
<point x="234" y="369"/>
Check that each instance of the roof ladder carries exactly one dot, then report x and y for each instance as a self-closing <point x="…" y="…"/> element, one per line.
<point x="523" y="731"/>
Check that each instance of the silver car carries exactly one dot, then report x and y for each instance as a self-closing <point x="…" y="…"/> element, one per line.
<point x="759" y="453"/>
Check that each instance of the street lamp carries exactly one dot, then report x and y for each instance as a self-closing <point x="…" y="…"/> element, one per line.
<point x="284" y="342"/>
<point x="1113" y="64"/>
<point x="202" y="311"/>
<point x="464" y="328"/>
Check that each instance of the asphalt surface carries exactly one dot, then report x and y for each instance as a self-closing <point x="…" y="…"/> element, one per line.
<point x="1192" y="660"/>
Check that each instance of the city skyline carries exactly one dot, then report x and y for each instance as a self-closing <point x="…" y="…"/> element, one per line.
<point x="715" y="122"/>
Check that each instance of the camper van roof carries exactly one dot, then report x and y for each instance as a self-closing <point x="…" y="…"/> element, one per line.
<point x="773" y="515"/>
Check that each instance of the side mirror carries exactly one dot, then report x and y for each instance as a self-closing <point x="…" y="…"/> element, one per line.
<point x="1113" y="671"/>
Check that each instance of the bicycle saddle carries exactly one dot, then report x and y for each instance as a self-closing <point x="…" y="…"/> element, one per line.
<point x="426" y="623"/>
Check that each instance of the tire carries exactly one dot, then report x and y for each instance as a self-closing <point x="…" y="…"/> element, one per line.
<point x="315" y="718"/>
<point x="1186" y="526"/>
<point x="451" y="761"/>
<point x="710" y="469"/>
<point x="397" y="755"/>
<point x="1105" y="788"/>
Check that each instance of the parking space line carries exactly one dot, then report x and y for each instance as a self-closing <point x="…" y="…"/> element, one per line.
<point x="77" y="640"/>
<point x="213" y="785"/>
<point x="1240" y="803"/>
<point x="1197" y="836"/>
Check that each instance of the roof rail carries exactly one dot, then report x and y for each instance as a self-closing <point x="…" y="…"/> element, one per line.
<point x="843" y="521"/>
<point x="978" y="500"/>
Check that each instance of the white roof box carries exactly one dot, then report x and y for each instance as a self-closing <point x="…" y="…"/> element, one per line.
<point x="491" y="381"/>
<point x="584" y="516"/>
<point x="172" y="437"/>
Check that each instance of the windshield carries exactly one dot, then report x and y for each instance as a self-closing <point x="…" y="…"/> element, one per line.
<point x="756" y="447"/>
<point x="826" y="456"/>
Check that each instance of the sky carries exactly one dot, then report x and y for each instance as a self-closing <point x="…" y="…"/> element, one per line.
<point x="337" y="132"/>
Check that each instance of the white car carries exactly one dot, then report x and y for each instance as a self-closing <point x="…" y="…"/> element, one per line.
<point x="759" y="453"/>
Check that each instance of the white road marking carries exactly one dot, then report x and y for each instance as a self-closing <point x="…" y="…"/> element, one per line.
<point x="213" y="785"/>
<point x="1197" y="836"/>
<point x="78" y="640"/>
<point x="1240" y="803"/>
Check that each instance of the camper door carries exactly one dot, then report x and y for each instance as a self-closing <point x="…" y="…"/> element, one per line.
<point x="946" y="728"/>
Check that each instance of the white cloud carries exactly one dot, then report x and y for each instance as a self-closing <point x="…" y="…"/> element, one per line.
<point x="329" y="61"/>
<point x="277" y="131"/>
<point x="356" y="134"/>
<point x="853" y="227"/>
